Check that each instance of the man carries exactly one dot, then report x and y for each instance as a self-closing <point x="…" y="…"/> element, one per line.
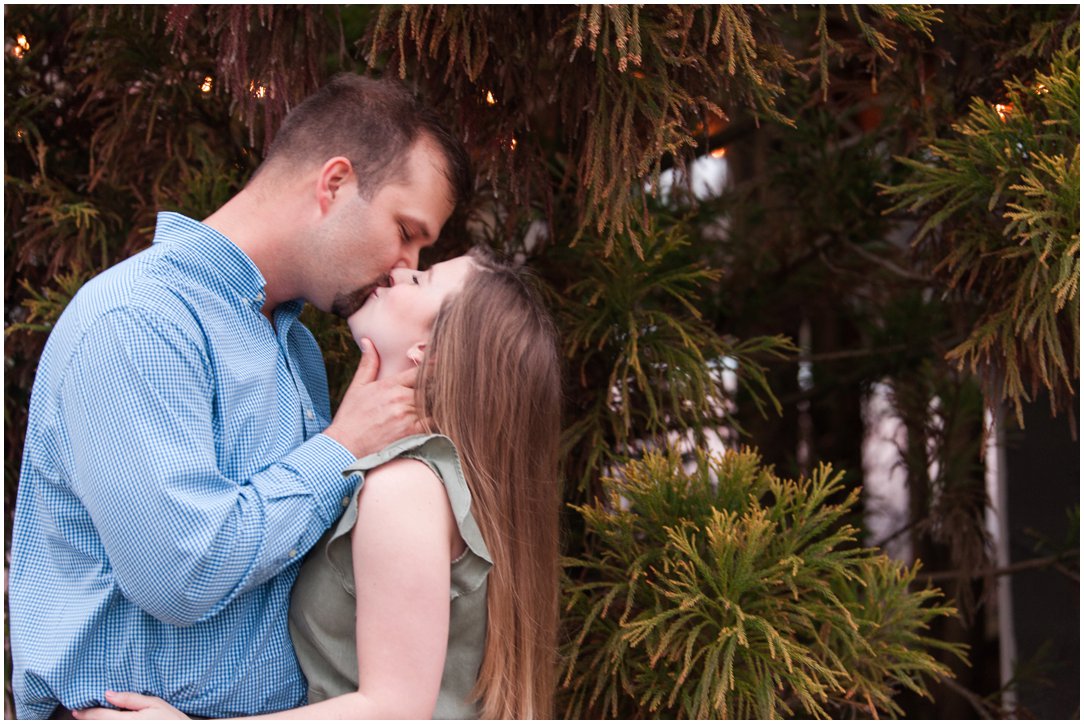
<point x="179" y="455"/>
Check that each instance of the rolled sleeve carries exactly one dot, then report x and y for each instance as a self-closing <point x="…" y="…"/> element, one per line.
<point x="318" y="465"/>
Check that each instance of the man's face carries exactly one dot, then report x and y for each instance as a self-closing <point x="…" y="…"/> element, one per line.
<point x="362" y="240"/>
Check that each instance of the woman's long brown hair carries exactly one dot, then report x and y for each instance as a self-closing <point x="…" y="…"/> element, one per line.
<point x="495" y="389"/>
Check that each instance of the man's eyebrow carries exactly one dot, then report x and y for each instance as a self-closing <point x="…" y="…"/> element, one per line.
<point x="420" y="229"/>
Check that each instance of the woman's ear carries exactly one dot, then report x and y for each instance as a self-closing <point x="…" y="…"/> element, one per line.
<point x="416" y="353"/>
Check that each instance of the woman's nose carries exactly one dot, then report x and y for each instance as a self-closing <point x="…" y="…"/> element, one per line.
<point x="399" y="275"/>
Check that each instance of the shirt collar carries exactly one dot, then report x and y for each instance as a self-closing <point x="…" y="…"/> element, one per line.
<point x="214" y="254"/>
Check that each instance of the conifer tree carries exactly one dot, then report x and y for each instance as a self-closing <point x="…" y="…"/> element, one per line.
<point x="729" y="593"/>
<point x="849" y="132"/>
<point x="1001" y="200"/>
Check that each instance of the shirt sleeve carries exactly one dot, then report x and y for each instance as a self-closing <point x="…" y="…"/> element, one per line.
<point x="183" y="540"/>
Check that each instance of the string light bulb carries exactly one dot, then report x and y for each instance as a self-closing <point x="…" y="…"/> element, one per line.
<point x="207" y="84"/>
<point x="22" y="45"/>
<point x="490" y="100"/>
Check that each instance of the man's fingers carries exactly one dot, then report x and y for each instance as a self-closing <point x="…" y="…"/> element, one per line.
<point x="374" y="413"/>
<point x="406" y="378"/>
<point x="369" y="365"/>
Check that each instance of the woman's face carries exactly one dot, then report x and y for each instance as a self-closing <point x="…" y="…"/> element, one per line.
<point x="399" y="318"/>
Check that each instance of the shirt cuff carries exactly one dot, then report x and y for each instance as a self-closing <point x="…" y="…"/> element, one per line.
<point x="319" y="463"/>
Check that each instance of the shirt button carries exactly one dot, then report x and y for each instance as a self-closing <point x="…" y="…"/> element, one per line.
<point x="346" y="501"/>
<point x="293" y="553"/>
<point x="308" y="414"/>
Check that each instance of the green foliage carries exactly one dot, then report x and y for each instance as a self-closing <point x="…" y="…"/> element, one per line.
<point x="1001" y="200"/>
<point x="639" y="85"/>
<point x="45" y="306"/>
<point x="645" y="361"/>
<point x="919" y="18"/>
<point x="716" y="589"/>
<point x="82" y="206"/>
<point x="569" y="116"/>
<point x="569" y="113"/>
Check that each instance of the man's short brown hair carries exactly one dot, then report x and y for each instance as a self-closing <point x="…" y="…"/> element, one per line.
<point x="374" y="123"/>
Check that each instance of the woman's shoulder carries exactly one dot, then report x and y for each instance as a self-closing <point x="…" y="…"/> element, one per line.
<point x="407" y="474"/>
<point x="412" y="469"/>
<point x="410" y="489"/>
<point x="440" y="456"/>
<point x="432" y="447"/>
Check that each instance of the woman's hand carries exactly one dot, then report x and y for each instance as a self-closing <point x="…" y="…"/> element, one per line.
<point x="131" y="706"/>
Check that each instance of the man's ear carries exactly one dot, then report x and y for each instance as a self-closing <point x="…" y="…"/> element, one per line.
<point x="336" y="174"/>
<point x="416" y="353"/>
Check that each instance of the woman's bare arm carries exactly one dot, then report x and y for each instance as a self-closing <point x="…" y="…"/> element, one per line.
<point x="403" y="544"/>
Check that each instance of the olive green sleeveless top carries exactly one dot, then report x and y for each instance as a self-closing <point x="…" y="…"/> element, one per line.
<point x="322" y="609"/>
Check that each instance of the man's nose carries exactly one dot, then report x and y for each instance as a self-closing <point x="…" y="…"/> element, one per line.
<point x="408" y="259"/>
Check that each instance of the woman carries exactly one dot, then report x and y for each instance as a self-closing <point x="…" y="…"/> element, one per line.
<point x="380" y="628"/>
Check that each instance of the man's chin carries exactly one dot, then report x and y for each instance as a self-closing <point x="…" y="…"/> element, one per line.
<point x="345" y="305"/>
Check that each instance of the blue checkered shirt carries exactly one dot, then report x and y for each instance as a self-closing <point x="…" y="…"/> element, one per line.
<point x="172" y="480"/>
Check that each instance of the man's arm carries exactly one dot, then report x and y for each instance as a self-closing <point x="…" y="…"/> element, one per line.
<point x="183" y="538"/>
<point x="402" y="544"/>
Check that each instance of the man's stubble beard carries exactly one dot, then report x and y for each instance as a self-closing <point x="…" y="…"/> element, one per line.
<point x="344" y="305"/>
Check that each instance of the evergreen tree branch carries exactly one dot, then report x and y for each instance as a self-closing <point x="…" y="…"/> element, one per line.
<point x="1028" y="565"/>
